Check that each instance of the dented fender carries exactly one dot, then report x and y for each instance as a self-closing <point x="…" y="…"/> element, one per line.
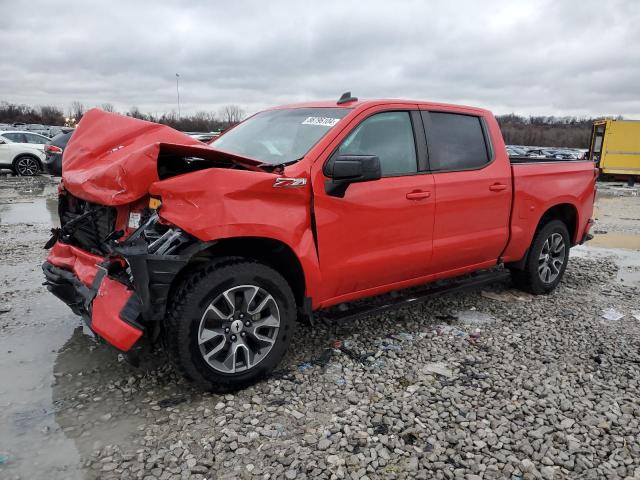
<point x="217" y="204"/>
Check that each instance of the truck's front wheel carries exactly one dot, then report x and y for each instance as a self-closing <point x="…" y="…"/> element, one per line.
<point x="547" y="259"/>
<point x="230" y="324"/>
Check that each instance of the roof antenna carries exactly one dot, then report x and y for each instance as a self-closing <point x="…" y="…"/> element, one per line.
<point x="346" y="98"/>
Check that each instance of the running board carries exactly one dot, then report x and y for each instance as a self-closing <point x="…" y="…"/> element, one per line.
<point x="353" y="311"/>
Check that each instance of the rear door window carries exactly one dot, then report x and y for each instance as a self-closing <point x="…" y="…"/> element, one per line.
<point x="389" y="136"/>
<point x="16" y="137"/>
<point x="37" y="139"/>
<point x="456" y="141"/>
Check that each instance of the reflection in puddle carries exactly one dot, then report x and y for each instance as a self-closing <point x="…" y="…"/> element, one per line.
<point x="37" y="210"/>
<point x="30" y="436"/>
<point x="616" y="240"/>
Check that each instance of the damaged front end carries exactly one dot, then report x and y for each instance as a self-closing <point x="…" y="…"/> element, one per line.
<point x="120" y="287"/>
<point x="115" y="258"/>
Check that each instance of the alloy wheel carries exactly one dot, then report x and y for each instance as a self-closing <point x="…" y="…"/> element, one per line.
<point x="551" y="258"/>
<point x="238" y="329"/>
<point x="26" y="166"/>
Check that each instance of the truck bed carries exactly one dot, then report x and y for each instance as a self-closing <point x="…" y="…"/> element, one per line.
<point x="539" y="184"/>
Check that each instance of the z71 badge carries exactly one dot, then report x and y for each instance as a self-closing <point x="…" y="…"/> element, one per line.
<point x="289" y="182"/>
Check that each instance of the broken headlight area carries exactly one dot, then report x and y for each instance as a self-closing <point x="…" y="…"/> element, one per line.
<point x="153" y="255"/>
<point x="118" y="280"/>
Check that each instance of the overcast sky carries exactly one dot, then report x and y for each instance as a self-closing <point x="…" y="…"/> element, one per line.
<point x="529" y="57"/>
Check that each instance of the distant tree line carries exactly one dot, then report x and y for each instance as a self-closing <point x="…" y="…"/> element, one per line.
<point x="547" y="131"/>
<point x="51" y="115"/>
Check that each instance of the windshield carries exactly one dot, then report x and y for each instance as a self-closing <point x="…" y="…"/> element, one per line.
<point x="280" y="136"/>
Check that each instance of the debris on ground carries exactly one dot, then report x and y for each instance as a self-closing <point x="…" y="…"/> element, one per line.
<point x="437" y="368"/>
<point x="449" y="330"/>
<point x="612" y="314"/>
<point x="172" y="401"/>
<point x="473" y="317"/>
<point x="508" y="296"/>
<point x="5" y="308"/>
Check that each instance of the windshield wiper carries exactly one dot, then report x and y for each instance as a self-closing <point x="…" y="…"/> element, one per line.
<point x="272" y="167"/>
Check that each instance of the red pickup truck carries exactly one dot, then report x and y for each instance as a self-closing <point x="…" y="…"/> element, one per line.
<point x="216" y="250"/>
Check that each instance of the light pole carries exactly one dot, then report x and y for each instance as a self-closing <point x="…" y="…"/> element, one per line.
<point x="178" y="92"/>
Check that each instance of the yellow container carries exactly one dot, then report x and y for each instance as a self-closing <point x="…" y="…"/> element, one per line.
<point x="615" y="146"/>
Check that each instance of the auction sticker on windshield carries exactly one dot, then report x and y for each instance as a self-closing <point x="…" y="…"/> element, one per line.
<point x="321" y="121"/>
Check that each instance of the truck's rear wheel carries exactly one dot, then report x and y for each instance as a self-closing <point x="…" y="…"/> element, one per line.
<point x="230" y="324"/>
<point x="547" y="260"/>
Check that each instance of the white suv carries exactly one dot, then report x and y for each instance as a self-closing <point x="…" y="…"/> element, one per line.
<point x="22" y="152"/>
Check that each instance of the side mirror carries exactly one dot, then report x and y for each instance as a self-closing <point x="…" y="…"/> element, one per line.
<point x="2" y="141"/>
<point x="343" y="170"/>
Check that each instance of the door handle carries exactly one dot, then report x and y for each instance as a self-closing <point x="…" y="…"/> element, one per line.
<point x="418" y="195"/>
<point x="497" y="187"/>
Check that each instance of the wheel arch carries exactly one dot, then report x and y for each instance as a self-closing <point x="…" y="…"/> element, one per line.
<point x="566" y="213"/>
<point x="269" y="251"/>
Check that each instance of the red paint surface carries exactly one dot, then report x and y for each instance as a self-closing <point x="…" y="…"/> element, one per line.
<point x="111" y="296"/>
<point x="105" y="315"/>
<point x="76" y="260"/>
<point x="373" y="240"/>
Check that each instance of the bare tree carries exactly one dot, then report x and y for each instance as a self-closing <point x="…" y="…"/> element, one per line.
<point x="76" y="111"/>
<point x="231" y="114"/>
<point x="136" y="113"/>
<point x="108" y="107"/>
<point x="51" y="115"/>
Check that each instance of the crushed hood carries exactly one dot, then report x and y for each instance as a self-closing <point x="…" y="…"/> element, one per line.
<point x="112" y="159"/>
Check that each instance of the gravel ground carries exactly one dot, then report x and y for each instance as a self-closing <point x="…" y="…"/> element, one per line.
<point x="485" y="384"/>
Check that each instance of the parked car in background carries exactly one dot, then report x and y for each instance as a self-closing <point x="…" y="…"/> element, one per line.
<point x="55" y="130"/>
<point x="22" y="152"/>
<point x="536" y="153"/>
<point x="37" y="128"/>
<point x="514" y="151"/>
<point x="53" y="153"/>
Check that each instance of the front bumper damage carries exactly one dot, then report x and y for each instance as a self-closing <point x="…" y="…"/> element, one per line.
<point x="123" y="295"/>
<point x="80" y="279"/>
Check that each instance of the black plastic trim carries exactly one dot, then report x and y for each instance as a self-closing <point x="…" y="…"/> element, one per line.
<point x="414" y="296"/>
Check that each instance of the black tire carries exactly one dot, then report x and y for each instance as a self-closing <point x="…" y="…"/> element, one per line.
<point x="198" y="292"/>
<point x="531" y="279"/>
<point x="26" y="166"/>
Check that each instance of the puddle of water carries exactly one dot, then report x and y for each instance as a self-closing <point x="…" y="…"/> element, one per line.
<point x="628" y="261"/>
<point x="29" y="434"/>
<point x="616" y="240"/>
<point x="38" y="210"/>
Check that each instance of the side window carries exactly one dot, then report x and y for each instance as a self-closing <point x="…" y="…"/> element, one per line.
<point x="388" y="135"/>
<point x="16" y="137"/>
<point x="31" y="138"/>
<point x="456" y="141"/>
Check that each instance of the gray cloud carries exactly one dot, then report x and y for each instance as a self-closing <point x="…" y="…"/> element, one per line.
<point x="577" y="57"/>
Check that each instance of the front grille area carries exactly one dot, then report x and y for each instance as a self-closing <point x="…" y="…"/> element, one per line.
<point x="90" y="233"/>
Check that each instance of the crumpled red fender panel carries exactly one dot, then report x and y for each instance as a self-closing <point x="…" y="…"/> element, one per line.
<point x="71" y="258"/>
<point x="105" y="315"/>
<point x="111" y="158"/>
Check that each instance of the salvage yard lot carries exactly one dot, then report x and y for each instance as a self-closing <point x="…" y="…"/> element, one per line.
<point x="489" y="384"/>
